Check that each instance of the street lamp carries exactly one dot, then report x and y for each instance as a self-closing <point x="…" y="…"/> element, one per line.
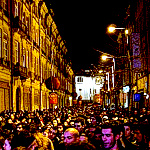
<point x="112" y="28"/>
<point x="105" y="57"/>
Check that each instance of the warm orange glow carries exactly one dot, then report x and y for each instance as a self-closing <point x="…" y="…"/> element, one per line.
<point x="104" y="57"/>
<point x="111" y="29"/>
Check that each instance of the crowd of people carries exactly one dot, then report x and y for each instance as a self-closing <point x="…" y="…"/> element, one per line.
<point x="82" y="128"/>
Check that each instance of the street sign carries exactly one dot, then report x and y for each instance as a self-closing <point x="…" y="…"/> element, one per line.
<point x="53" y="98"/>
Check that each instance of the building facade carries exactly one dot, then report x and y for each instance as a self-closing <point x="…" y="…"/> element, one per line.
<point x="33" y="57"/>
<point x="88" y="87"/>
<point x="135" y="45"/>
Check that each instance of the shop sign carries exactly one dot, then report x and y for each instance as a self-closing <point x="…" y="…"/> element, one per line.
<point x="53" y="98"/>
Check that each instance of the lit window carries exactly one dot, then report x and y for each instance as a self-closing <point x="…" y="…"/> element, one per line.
<point x="23" y="17"/>
<point x="24" y="58"/>
<point x="5" y="46"/>
<point x="16" y="9"/>
<point x="27" y="59"/>
<point x="37" y="66"/>
<point x="79" y="79"/>
<point x="5" y="4"/>
<point x="17" y="50"/>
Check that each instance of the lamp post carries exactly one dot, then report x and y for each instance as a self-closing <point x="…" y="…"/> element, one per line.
<point x="104" y="58"/>
<point x="112" y="29"/>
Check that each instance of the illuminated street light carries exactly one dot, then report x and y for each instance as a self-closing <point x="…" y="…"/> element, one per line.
<point x="104" y="57"/>
<point x="112" y="28"/>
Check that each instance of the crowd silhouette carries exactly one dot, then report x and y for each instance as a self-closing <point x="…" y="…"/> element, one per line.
<point x="86" y="127"/>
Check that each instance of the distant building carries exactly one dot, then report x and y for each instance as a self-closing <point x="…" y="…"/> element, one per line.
<point x="88" y="86"/>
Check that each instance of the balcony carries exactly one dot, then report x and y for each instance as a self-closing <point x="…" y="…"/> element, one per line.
<point x="5" y="63"/>
<point x="18" y="24"/>
<point x="20" y="71"/>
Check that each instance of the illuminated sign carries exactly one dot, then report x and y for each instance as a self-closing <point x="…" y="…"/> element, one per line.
<point x="136" y="50"/>
<point x="53" y="98"/>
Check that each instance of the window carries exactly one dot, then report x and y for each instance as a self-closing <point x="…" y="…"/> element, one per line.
<point x="5" y="46"/>
<point x="5" y="4"/>
<point x="79" y="79"/>
<point x="27" y="59"/>
<point x="16" y="9"/>
<point x="35" y="11"/>
<point x="34" y="64"/>
<point x="23" y="17"/>
<point x="24" y="57"/>
<point x="27" y="24"/>
<point x="36" y="36"/>
<point x="37" y="66"/>
<point x="17" y="51"/>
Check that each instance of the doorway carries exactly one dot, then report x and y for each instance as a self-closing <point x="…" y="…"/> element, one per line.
<point x="18" y="100"/>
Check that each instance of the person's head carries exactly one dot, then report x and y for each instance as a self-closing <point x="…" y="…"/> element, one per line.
<point x="138" y="131"/>
<point x="7" y="145"/>
<point x="55" y="122"/>
<point x="110" y="135"/>
<point x="135" y="112"/>
<point x="19" y="127"/>
<point x="98" y="133"/>
<point x="71" y="123"/>
<point x="54" y="132"/>
<point x="60" y="128"/>
<point x="127" y="131"/>
<point x="143" y="110"/>
<point x="91" y="131"/>
<point x="65" y="123"/>
<point x="78" y="124"/>
<point x="93" y="119"/>
<point x="71" y="136"/>
<point x="10" y="121"/>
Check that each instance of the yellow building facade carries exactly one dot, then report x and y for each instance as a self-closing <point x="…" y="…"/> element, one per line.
<point x="31" y="51"/>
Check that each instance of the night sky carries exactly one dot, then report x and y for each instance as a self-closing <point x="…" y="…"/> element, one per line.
<point x="82" y="24"/>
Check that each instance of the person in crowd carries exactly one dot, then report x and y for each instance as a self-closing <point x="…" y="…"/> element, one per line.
<point x="71" y="123"/>
<point x="79" y="124"/>
<point x="97" y="139"/>
<point x="5" y="140"/>
<point x="110" y="137"/>
<point x="40" y="140"/>
<point x="72" y="141"/>
<point x="54" y="137"/>
<point x="140" y="139"/>
<point x="126" y="137"/>
<point x="60" y="130"/>
<point x="55" y="123"/>
<point x="90" y="131"/>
